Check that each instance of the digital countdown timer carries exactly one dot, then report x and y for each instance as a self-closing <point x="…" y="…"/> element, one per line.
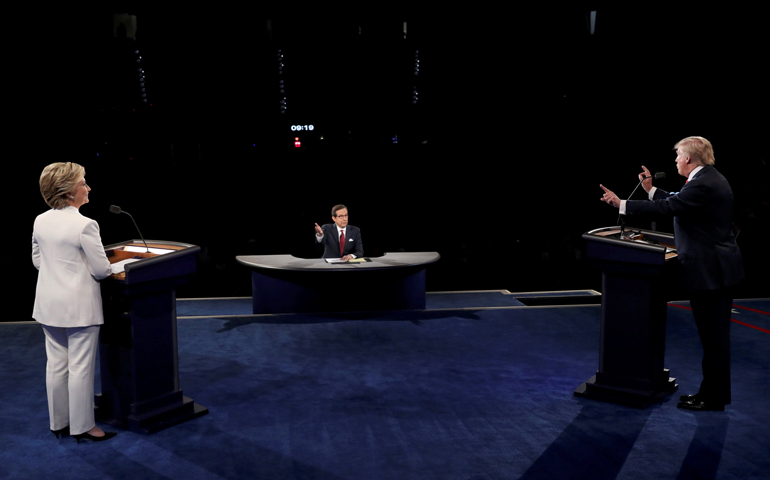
<point x="299" y="128"/>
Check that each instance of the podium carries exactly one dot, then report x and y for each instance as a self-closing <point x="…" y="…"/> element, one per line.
<point x="633" y="322"/>
<point x="138" y="341"/>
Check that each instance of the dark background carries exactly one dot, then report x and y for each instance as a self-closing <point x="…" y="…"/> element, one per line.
<point x="520" y="114"/>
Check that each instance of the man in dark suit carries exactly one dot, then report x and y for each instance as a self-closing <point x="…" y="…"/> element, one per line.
<point x="339" y="239"/>
<point x="710" y="258"/>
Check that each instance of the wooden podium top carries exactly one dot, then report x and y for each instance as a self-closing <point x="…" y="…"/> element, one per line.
<point x="630" y="244"/>
<point x="640" y="236"/>
<point x="136" y="249"/>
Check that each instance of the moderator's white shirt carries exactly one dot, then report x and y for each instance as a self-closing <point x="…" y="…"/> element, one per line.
<point x="68" y="252"/>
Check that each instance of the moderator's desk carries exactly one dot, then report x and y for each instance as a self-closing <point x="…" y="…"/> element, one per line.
<point x="287" y="284"/>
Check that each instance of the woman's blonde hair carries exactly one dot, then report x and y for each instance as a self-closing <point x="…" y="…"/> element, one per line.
<point x="58" y="181"/>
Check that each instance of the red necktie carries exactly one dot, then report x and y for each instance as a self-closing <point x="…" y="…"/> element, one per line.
<point x="342" y="241"/>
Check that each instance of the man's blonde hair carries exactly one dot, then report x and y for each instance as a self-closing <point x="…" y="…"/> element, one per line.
<point x="698" y="148"/>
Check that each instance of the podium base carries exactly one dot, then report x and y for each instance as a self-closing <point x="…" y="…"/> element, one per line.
<point x="155" y="420"/>
<point x="629" y="397"/>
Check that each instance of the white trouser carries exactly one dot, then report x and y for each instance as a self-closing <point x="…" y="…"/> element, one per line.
<point x="69" y="376"/>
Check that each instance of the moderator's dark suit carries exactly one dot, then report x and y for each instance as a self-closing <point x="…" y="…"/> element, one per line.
<point x="331" y="242"/>
<point x="711" y="263"/>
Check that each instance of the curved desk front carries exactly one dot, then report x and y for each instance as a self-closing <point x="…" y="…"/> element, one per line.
<point x="287" y="284"/>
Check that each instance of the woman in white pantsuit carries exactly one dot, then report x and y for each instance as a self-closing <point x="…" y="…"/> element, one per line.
<point x="68" y="252"/>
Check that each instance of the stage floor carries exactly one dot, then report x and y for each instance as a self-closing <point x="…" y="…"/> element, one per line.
<point x="474" y="387"/>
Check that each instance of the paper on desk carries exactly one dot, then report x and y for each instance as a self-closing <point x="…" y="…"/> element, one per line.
<point x="120" y="267"/>
<point x="159" y="251"/>
<point x="339" y="260"/>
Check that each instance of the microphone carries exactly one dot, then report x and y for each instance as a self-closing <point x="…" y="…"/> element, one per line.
<point x="116" y="209"/>
<point x="657" y="176"/>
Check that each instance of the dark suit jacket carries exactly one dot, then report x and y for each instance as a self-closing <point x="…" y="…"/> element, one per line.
<point x="331" y="242"/>
<point x="703" y="229"/>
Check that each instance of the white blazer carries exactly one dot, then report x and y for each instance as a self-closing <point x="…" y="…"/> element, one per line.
<point x="68" y="252"/>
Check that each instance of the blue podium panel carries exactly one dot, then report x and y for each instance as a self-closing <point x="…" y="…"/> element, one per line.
<point x="633" y="328"/>
<point x="138" y="341"/>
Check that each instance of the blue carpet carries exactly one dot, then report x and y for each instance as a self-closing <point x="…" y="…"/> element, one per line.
<point x="467" y="394"/>
<point x="433" y="301"/>
<point x="213" y="307"/>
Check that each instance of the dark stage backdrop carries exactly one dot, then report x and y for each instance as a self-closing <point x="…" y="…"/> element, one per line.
<point x="496" y="166"/>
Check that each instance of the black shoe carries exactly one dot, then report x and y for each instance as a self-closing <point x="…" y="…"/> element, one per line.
<point x="688" y="398"/>
<point x="63" y="432"/>
<point x="700" y="406"/>
<point x="88" y="436"/>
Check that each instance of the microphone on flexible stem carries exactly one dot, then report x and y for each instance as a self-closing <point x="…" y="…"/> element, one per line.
<point x="657" y="176"/>
<point x="116" y="209"/>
